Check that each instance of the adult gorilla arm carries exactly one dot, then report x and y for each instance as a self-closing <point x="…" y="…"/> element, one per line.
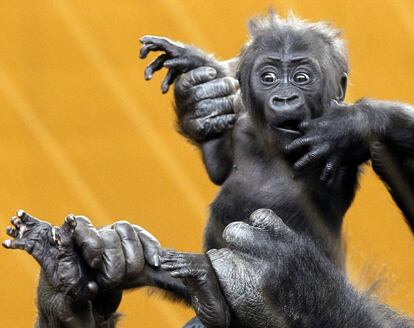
<point x="204" y="97"/>
<point x="382" y="131"/>
<point x="270" y="276"/>
<point x="124" y="256"/>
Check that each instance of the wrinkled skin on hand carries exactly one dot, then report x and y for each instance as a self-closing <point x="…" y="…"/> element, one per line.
<point x="330" y="141"/>
<point x="243" y="268"/>
<point x="205" y="104"/>
<point x="66" y="287"/>
<point x="230" y="287"/>
<point x="118" y="254"/>
<point x="177" y="58"/>
<point x="198" y="275"/>
<point x="204" y="95"/>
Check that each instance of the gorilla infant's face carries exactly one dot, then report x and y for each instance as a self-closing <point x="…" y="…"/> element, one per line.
<point x="287" y="89"/>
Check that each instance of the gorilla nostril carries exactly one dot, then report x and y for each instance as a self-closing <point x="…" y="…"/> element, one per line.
<point x="292" y="98"/>
<point x="283" y="101"/>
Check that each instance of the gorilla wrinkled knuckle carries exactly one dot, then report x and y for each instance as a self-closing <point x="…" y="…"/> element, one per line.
<point x="83" y="220"/>
<point x="203" y="107"/>
<point x="262" y="213"/>
<point x="236" y="232"/>
<point x="210" y="72"/>
<point x="122" y="225"/>
<point x="201" y="92"/>
<point x="311" y="157"/>
<point x="203" y="126"/>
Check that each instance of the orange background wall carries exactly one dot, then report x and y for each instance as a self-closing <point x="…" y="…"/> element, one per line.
<point x="82" y="132"/>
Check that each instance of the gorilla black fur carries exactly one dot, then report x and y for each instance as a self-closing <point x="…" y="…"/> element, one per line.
<point x="295" y="147"/>
<point x="289" y="145"/>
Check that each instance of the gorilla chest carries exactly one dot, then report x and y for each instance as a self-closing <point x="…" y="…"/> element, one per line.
<point x="256" y="186"/>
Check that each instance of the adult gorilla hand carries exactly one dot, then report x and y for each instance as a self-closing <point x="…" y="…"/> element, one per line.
<point x="330" y="141"/>
<point x="118" y="253"/>
<point x="205" y="103"/>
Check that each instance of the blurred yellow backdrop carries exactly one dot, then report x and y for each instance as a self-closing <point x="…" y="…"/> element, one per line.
<point x="82" y="132"/>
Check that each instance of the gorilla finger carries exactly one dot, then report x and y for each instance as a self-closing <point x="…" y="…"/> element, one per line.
<point x="300" y="143"/>
<point x="12" y="232"/>
<point x="25" y="217"/>
<point x="69" y="224"/>
<point x="328" y="173"/>
<point x="311" y="158"/>
<point x="168" y="80"/>
<point x="172" y="266"/>
<point x="215" y="106"/>
<point x="17" y="222"/>
<point x="266" y="219"/>
<point x="150" y="245"/>
<point x="171" y="255"/>
<point x="14" y="244"/>
<point x="223" y="122"/>
<point x="145" y="50"/>
<point x="132" y="248"/>
<point x="181" y="273"/>
<point x="240" y="235"/>
<point x="171" y="47"/>
<point x="304" y="126"/>
<point x="113" y="264"/>
<point x="155" y="66"/>
<point x="88" y="240"/>
<point x="223" y="87"/>
<point x="195" y="77"/>
<point x="215" y="125"/>
<point x="179" y="64"/>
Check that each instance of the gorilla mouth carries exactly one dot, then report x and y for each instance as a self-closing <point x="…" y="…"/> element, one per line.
<point x="291" y="126"/>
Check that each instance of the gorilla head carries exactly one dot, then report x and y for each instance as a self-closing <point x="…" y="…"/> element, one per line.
<point x="289" y="72"/>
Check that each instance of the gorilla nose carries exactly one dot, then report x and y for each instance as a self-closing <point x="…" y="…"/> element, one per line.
<point x="278" y="101"/>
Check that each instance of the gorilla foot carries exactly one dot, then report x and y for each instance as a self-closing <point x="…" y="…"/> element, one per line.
<point x="53" y="249"/>
<point x="201" y="281"/>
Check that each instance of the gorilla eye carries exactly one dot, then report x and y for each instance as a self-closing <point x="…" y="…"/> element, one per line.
<point x="301" y="78"/>
<point x="268" y="78"/>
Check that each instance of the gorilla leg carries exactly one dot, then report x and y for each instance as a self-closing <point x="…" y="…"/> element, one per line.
<point x="200" y="279"/>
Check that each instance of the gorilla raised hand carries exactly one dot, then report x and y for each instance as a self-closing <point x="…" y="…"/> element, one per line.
<point x="285" y="282"/>
<point x="201" y="117"/>
<point x="64" y="291"/>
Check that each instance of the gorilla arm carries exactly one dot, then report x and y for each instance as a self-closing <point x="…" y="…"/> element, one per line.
<point x="392" y="151"/>
<point x="204" y="97"/>
<point x="125" y="256"/>
<point x="350" y="134"/>
<point x="270" y="276"/>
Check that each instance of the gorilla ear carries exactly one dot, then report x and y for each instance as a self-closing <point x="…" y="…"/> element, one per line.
<point x="342" y="87"/>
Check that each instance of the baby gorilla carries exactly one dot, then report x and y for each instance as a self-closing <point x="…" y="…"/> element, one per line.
<point x="64" y="285"/>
